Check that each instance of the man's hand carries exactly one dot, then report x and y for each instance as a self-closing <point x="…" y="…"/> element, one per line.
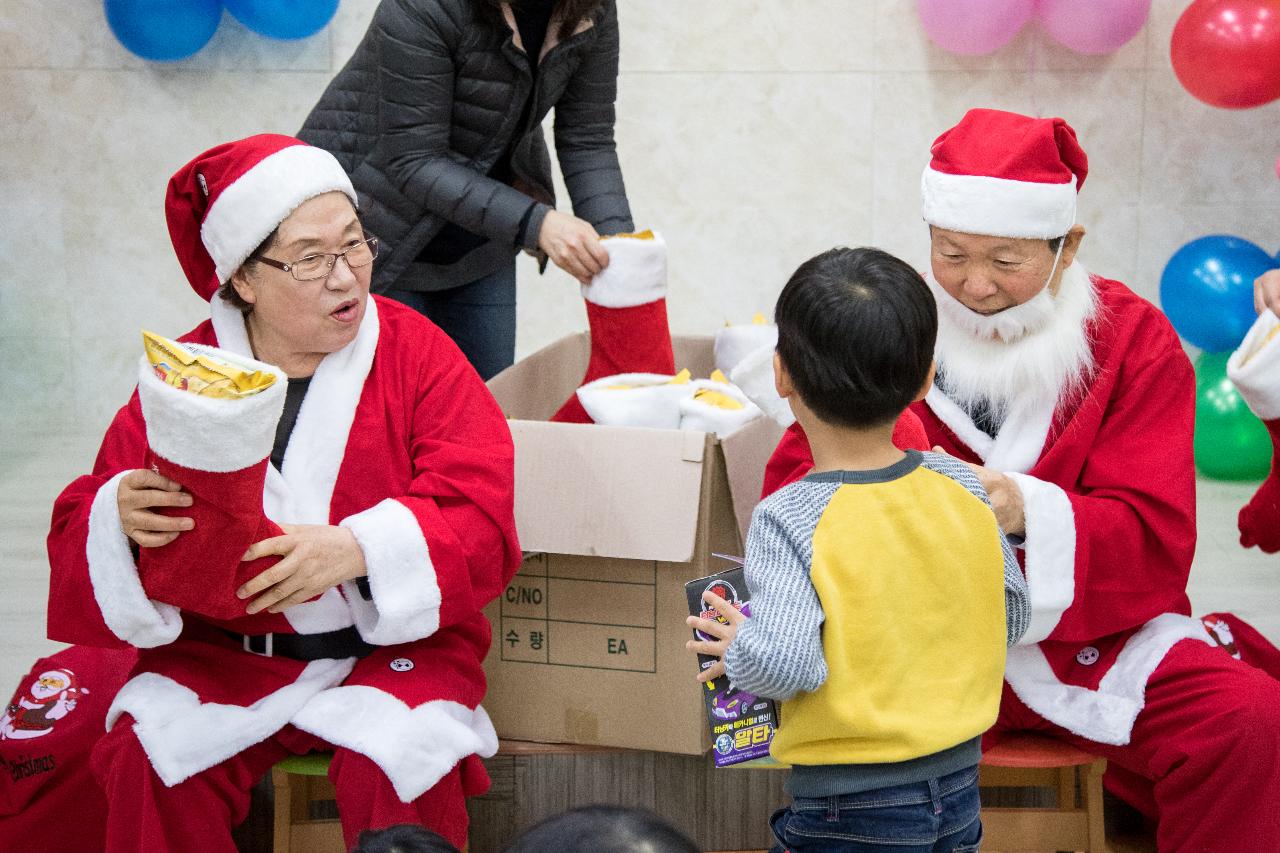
<point x="138" y="493"/>
<point x="1006" y="498"/>
<point x="724" y="634"/>
<point x="573" y="245"/>
<point x="317" y="557"/>
<point x="1266" y="291"/>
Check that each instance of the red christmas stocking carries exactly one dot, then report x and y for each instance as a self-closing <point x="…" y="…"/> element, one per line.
<point x="734" y="344"/>
<point x="217" y="449"/>
<point x="1259" y="519"/>
<point x="1255" y="369"/>
<point x="627" y="312"/>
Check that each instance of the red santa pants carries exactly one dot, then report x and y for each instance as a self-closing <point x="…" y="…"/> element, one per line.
<point x="146" y="815"/>
<point x="1204" y="755"/>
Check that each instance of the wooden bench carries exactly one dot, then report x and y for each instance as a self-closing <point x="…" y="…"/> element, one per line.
<point x="722" y="811"/>
<point x="532" y="781"/>
<point x="1076" y="822"/>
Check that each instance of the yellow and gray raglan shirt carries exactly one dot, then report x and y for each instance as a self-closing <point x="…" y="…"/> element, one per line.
<point x="882" y="603"/>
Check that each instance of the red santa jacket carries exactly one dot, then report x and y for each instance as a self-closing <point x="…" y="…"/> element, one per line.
<point x="399" y="440"/>
<point x="1108" y="483"/>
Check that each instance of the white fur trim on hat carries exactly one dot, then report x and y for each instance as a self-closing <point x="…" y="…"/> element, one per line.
<point x="246" y="212"/>
<point x="1255" y="367"/>
<point x="125" y="608"/>
<point x="999" y="207"/>
<point x="211" y="433"/>
<point x="402" y="580"/>
<point x="636" y="275"/>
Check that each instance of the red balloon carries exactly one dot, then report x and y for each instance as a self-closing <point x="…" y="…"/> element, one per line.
<point x="1227" y="52"/>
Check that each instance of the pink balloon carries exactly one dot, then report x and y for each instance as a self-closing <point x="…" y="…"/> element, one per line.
<point x="973" y="27"/>
<point x="1095" y="26"/>
<point x="1278" y="167"/>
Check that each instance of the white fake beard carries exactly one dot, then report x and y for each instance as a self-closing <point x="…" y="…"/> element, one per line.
<point x="1007" y="326"/>
<point x="1028" y="356"/>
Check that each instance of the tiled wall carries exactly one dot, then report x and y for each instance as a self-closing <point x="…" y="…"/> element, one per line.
<point x="753" y="133"/>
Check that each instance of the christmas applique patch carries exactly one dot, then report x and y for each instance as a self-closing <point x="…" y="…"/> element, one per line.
<point x="1220" y="631"/>
<point x="35" y="710"/>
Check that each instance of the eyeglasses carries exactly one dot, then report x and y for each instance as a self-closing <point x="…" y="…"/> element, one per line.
<point x="319" y="265"/>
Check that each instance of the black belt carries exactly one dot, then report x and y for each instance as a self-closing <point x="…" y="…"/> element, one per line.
<point x="344" y="643"/>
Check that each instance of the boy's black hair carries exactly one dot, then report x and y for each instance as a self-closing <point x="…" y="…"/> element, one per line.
<point x="856" y="329"/>
<point x="602" y="829"/>
<point x="402" y="838"/>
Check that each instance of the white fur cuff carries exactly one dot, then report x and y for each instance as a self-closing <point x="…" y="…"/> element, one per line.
<point x="636" y="275"/>
<point x="183" y="736"/>
<point x="402" y="580"/>
<point x="1255" y="367"/>
<point x="1107" y="714"/>
<point x="695" y="414"/>
<point x="754" y="377"/>
<point x="414" y="747"/>
<point x="734" y="343"/>
<point x="126" y="610"/>
<point x="651" y="400"/>
<point x="1050" y="554"/>
<point x="210" y="433"/>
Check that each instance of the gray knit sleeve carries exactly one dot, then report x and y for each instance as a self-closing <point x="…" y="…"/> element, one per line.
<point x="1017" y="602"/>
<point x="778" y="650"/>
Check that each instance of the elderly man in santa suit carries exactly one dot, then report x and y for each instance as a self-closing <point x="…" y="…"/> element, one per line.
<point x="1072" y="399"/>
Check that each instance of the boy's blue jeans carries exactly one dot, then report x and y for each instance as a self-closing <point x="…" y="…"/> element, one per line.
<point x="936" y="816"/>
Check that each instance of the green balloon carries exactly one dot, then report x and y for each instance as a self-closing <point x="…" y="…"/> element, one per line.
<point x="1230" y="442"/>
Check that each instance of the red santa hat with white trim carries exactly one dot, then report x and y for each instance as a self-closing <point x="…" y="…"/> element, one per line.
<point x="225" y="202"/>
<point x="1004" y="175"/>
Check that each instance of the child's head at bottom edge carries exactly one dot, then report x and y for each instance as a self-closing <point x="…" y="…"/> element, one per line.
<point x="402" y="838"/>
<point x="603" y="829"/>
<point x="856" y="332"/>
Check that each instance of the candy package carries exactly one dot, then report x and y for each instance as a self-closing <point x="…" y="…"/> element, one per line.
<point x="191" y="367"/>
<point x="742" y="724"/>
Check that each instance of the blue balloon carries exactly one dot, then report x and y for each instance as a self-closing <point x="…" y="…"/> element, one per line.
<point x="283" y="19"/>
<point x="1206" y="290"/>
<point x="163" y="30"/>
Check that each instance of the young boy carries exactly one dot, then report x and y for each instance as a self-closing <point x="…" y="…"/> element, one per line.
<point x="883" y="593"/>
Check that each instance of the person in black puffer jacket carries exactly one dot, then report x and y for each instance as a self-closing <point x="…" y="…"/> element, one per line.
<point x="438" y="116"/>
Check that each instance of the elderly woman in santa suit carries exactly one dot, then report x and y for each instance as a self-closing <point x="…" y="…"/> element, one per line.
<point x="358" y="626"/>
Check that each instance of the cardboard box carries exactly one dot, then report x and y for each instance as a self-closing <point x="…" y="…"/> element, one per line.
<point x="588" y="640"/>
